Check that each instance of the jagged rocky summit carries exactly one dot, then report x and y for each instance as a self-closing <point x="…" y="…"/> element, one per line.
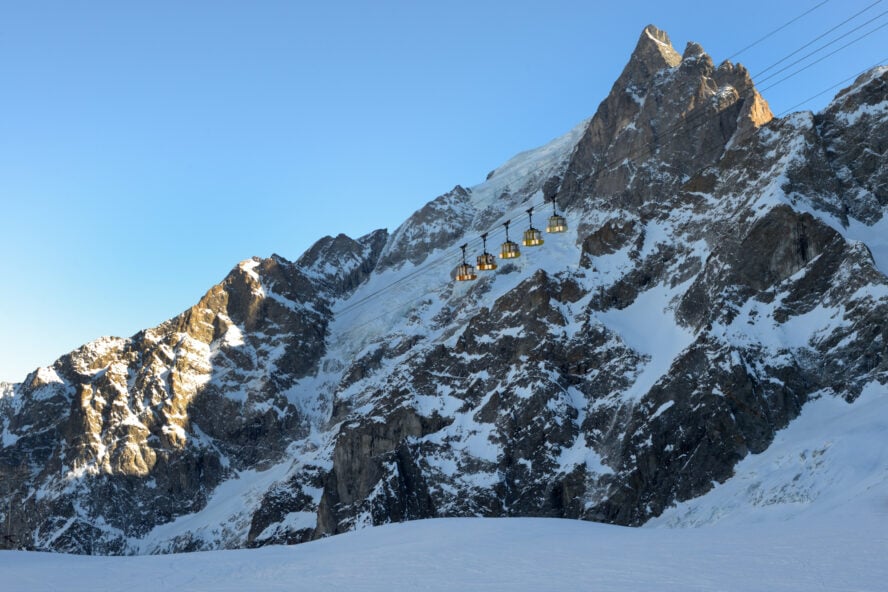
<point x="722" y="268"/>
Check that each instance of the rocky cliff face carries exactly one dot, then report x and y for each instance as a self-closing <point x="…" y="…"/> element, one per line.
<point x="124" y="434"/>
<point x="722" y="268"/>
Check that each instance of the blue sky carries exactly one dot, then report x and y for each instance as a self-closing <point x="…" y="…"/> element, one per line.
<point x="146" y="148"/>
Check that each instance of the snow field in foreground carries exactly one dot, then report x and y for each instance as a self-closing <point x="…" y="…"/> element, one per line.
<point x="502" y="554"/>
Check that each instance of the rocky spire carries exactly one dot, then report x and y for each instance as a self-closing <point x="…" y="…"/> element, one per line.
<point x="667" y="116"/>
<point x="652" y="53"/>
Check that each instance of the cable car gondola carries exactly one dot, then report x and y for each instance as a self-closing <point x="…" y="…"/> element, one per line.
<point x="486" y="261"/>
<point x="532" y="236"/>
<point x="464" y="271"/>
<point x="557" y="222"/>
<point x="509" y="249"/>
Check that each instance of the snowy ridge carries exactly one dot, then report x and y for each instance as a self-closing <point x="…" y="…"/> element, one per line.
<point x="526" y="171"/>
<point x="461" y="215"/>
<point x="139" y="399"/>
<point x="504" y="195"/>
<point x="870" y="111"/>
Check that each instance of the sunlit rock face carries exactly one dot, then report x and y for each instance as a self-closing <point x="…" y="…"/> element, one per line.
<point x="721" y="268"/>
<point x="667" y="116"/>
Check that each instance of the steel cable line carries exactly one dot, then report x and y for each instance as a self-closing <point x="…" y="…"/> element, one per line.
<point x="821" y="48"/>
<point x="818" y="38"/>
<point x="421" y="269"/>
<point x="800" y="70"/>
<point x="426" y="267"/>
<point x="777" y="30"/>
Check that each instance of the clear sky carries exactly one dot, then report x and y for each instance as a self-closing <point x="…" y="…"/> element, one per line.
<point x="147" y="147"/>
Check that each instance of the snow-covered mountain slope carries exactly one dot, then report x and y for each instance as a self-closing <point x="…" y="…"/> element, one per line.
<point x="716" y="279"/>
<point x="830" y="462"/>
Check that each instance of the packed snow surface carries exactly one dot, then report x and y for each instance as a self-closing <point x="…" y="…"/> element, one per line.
<point x="501" y="554"/>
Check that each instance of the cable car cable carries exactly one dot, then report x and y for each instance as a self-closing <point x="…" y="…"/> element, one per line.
<point x="699" y="115"/>
<point x="818" y="38"/>
<point x="777" y="30"/>
<point x="404" y="278"/>
<point x="819" y="49"/>
<point x="781" y="114"/>
<point x="703" y="116"/>
<point x="882" y="26"/>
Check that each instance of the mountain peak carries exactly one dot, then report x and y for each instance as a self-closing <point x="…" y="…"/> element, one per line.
<point x="652" y="53"/>
<point x="648" y="117"/>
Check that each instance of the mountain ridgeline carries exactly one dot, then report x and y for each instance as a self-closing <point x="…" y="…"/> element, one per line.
<point x="722" y="268"/>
